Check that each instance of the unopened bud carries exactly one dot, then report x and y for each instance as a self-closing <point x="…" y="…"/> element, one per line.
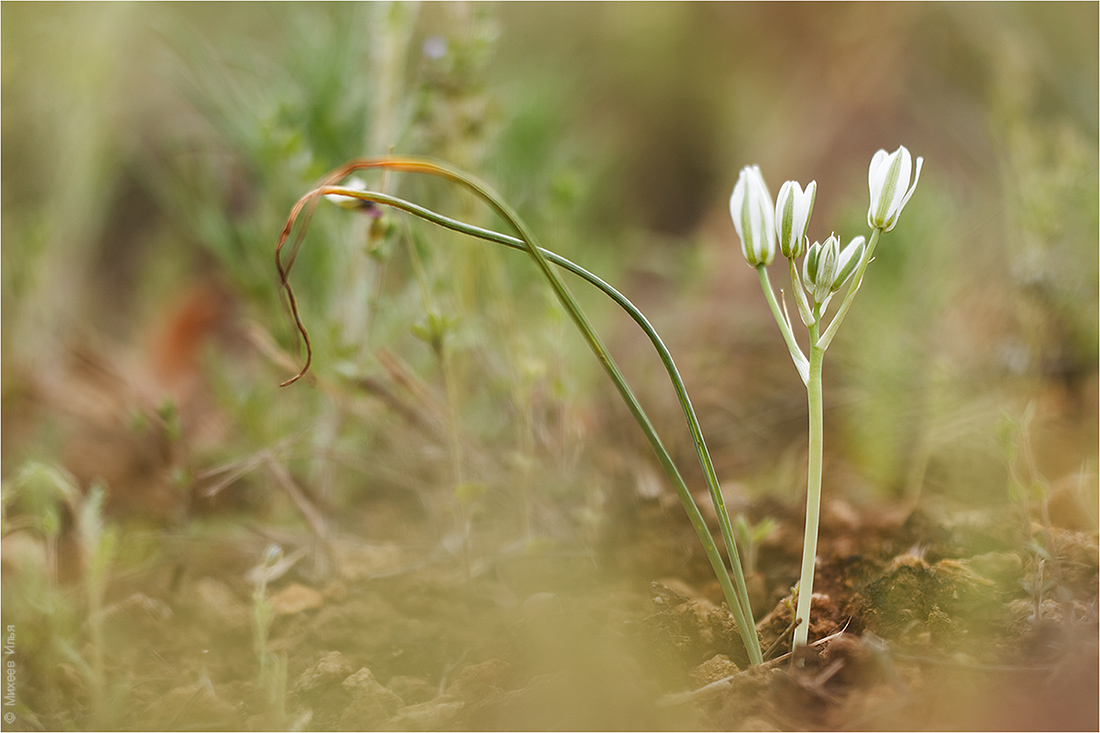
<point x="888" y="180"/>
<point x="819" y="268"/>
<point x="754" y="216"/>
<point x="848" y="262"/>
<point x="792" y="216"/>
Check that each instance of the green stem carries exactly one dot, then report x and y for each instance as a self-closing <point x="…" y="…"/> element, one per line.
<point x="736" y="599"/>
<point x="447" y="371"/>
<point x="804" y="310"/>
<point x="797" y="356"/>
<point x="819" y="343"/>
<point x="857" y="280"/>
<point x="666" y="358"/>
<point x="813" y="493"/>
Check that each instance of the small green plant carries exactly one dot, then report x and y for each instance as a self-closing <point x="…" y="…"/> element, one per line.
<point x="1026" y="485"/>
<point x="44" y="492"/>
<point x="826" y="268"/>
<point x="83" y="646"/>
<point x="98" y="543"/>
<point x="270" y="667"/>
<point x="62" y="624"/>
<point x="750" y="537"/>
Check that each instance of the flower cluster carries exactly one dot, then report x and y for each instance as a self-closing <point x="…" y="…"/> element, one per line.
<point x="827" y="265"/>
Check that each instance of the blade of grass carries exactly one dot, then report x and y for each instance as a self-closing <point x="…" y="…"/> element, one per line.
<point x="636" y="315"/>
<point x="736" y="598"/>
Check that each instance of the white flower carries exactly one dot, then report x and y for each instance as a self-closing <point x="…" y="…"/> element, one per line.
<point x="888" y="179"/>
<point x="792" y="215"/>
<point x="847" y="262"/>
<point x="819" y="268"/>
<point x="754" y="216"/>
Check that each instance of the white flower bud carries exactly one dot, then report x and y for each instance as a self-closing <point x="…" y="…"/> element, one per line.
<point x="888" y="179"/>
<point x="819" y="268"/>
<point x="792" y="215"/>
<point x="848" y="261"/>
<point x="754" y="216"/>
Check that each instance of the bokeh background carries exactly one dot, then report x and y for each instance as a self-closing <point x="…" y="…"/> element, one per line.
<point x="151" y="153"/>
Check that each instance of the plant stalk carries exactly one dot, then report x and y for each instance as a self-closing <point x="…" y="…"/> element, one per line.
<point x="813" y="492"/>
<point x="857" y="280"/>
<point x="784" y="326"/>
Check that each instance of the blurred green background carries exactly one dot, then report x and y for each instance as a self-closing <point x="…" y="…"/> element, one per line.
<point x="152" y="151"/>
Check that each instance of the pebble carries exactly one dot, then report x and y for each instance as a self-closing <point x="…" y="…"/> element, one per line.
<point x="296" y="598"/>
<point x="331" y="668"/>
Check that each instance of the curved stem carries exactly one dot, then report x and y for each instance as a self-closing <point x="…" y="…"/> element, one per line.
<point x="737" y="599"/>
<point x="636" y="315"/>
